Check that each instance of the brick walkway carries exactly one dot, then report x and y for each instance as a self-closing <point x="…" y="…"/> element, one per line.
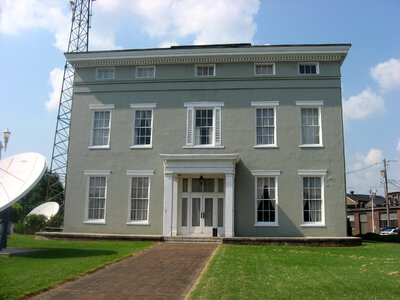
<point x="166" y="271"/>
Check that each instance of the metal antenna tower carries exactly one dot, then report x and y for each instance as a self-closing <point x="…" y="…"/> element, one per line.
<point x="78" y="42"/>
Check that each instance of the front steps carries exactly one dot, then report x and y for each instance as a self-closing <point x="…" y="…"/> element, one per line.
<point x="193" y="239"/>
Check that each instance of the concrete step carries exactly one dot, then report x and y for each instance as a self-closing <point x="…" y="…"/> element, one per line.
<point x="186" y="239"/>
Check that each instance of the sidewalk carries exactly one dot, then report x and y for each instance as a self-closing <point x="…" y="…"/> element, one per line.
<point x="165" y="271"/>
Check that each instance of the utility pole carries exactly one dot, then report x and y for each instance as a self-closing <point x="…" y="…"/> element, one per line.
<point x="384" y="174"/>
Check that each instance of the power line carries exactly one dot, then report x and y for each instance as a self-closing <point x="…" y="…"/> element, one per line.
<point x="362" y="169"/>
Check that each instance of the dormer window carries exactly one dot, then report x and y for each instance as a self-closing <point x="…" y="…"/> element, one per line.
<point x="105" y="73"/>
<point x="264" y="69"/>
<point x="205" y="70"/>
<point x="146" y="72"/>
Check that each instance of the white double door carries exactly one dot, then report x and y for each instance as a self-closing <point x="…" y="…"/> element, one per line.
<point x="202" y="210"/>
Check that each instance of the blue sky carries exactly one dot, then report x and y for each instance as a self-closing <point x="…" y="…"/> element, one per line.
<point x="34" y="33"/>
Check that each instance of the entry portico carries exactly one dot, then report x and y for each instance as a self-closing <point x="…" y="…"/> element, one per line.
<point x="198" y="206"/>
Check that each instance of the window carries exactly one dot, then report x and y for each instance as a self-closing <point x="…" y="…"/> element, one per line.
<point x="313" y="199"/>
<point x="351" y="220"/>
<point x="107" y="73"/>
<point x="265" y="124"/>
<point x="96" y="196"/>
<point x="142" y="125"/>
<point x="308" y="68"/>
<point x="145" y="72"/>
<point x="139" y="199"/>
<point x="264" y="69"/>
<point x="266" y="198"/>
<point x="310" y="119"/>
<point x="383" y="220"/>
<point x="205" y="70"/>
<point x="203" y="124"/>
<point x="101" y="124"/>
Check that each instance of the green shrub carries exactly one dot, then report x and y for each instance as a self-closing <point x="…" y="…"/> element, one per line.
<point x="35" y="223"/>
<point x="381" y="238"/>
<point x="20" y="227"/>
<point x="55" y="221"/>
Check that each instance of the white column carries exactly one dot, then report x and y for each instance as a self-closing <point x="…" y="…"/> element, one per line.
<point x="168" y="195"/>
<point x="229" y="205"/>
<point x="175" y="205"/>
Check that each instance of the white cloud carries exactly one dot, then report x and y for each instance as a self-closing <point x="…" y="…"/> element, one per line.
<point x="55" y="80"/>
<point x="398" y="146"/>
<point x="362" y="181"/>
<point x="387" y="74"/>
<point x="365" y="104"/>
<point x="206" y="21"/>
<point x="168" y="44"/>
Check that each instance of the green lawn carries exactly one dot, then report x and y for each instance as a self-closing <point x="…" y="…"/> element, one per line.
<point x="371" y="271"/>
<point x="62" y="261"/>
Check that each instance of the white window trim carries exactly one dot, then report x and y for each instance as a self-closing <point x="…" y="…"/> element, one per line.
<point x="138" y="173"/>
<point x="311" y="104"/>
<point x="89" y="174"/>
<point x="205" y="65"/>
<point x="266" y="173"/>
<point x="316" y="64"/>
<point x="142" y="106"/>
<point x="264" y="64"/>
<point x="95" y="108"/>
<point x="201" y="105"/>
<point x="144" y="67"/>
<point x="313" y="173"/>
<point x="97" y="73"/>
<point x="265" y="104"/>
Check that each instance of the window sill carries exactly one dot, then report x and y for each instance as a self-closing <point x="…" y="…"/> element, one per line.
<point x="266" y="224"/>
<point x="95" y="222"/>
<point x="266" y="146"/>
<point x="311" y="146"/>
<point x="99" y="147"/>
<point x="138" y="223"/>
<point x="203" y="147"/>
<point x="313" y="225"/>
<point x="141" y="147"/>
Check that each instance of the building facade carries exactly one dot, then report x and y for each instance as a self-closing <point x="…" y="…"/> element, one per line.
<point x="227" y="140"/>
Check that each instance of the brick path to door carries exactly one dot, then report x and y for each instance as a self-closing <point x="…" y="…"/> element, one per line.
<point x="165" y="271"/>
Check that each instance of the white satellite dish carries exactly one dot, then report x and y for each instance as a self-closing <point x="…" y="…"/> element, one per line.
<point x="48" y="209"/>
<point x="18" y="175"/>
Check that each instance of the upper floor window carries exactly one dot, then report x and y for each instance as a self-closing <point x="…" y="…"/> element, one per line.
<point x="105" y="73"/>
<point x="311" y="129"/>
<point x="265" y="123"/>
<point x="264" y="69"/>
<point x="146" y="72"/>
<point x="101" y="125"/>
<point x="203" y="124"/>
<point x="205" y="70"/>
<point x="308" y="68"/>
<point x="142" y="125"/>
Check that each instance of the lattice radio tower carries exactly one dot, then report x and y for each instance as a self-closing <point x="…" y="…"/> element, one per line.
<point x="78" y="42"/>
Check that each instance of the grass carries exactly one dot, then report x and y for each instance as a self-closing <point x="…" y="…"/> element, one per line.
<point x="371" y="271"/>
<point x="61" y="261"/>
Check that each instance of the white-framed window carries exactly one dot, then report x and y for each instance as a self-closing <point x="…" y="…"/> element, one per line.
<point x="308" y="68"/>
<point x="264" y="69"/>
<point x="142" y="125"/>
<point x="310" y="123"/>
<point x="101" y="126"/>
<point x="145" y="71"/>
<point x="105" y="73"/>
<point x="265" y="123"/>
<point x="96" y="196"/>
<point x="205" y="70"/>
<point x="139" y="197"/>
<point x="313" y="197"/>
<point x="266" y="198"/>
<point x="203" y="127"/>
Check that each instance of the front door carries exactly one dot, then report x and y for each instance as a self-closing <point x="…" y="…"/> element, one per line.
<point x="202" y="211"/>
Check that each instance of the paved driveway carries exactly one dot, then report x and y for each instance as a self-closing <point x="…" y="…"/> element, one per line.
<point x="165" y="271"/>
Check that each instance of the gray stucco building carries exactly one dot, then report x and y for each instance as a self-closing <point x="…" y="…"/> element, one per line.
<point x="246" y="140"/>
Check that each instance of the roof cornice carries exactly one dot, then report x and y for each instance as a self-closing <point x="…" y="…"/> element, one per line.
<point x="189" y="55"/>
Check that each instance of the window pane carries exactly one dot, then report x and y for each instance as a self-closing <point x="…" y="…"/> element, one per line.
<point x="184" y="211"/>
<point x="195" y="211"/>
<point x="220" y="212"/>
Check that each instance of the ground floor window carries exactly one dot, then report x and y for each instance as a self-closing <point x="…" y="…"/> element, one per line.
<point x="383" y="220"/>
<point x="266" y="188"/>
<point x="312" y="199"/>
<point x="97" y="198"/>
<point x="139" y="198"/>
<point x="351" y="220"/>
